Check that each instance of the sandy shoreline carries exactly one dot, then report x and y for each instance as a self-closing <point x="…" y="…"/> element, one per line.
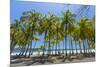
<point x="32" y="63"/>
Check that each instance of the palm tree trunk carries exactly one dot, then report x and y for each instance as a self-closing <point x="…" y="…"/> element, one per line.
<point x="59" y="49"/>
<point x="80" y="48"/>
<point x="20" y="51"/>
<point x="88" y="46"/>
<point x="84" y="47"/>
<point x="49" y="45"/>
<point x="44" y="43"/>
<point x="56" y="48"/>
<point x="27" y="50"/>
<point x="66" y="45"/>
<point x="34" y="47"/>
<point x="63" y="47"/>
<point x="12" y="47"/>
<point x="72" y="47"/>
<point x="30" y="49"/>
<point x="76" y="47"/>
<point x="23" y="51"/>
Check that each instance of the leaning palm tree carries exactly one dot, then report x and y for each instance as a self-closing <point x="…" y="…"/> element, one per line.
<point x="30" y="19"/>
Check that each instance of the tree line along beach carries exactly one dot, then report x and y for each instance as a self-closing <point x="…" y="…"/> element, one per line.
<point x="38" y="38"/>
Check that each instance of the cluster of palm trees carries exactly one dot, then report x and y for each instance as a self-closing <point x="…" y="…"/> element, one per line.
<point x="64" y="33"/>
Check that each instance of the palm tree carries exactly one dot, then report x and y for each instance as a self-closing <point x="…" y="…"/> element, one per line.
<point x="31" y="19"/>
<point x="35" y="39"/>
<point x="75" y="34"/>
<point x="50" y="28"/>
<point x="86" y="30"/>
<point x="57" y="31"/>
<point x="12" y="39"/>
<point x="67" y="20"/>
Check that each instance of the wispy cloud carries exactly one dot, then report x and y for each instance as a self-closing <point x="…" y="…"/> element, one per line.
<point x="85" y="2"/>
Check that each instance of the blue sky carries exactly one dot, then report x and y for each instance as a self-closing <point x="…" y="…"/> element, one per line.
<point x="17" y="7"/>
